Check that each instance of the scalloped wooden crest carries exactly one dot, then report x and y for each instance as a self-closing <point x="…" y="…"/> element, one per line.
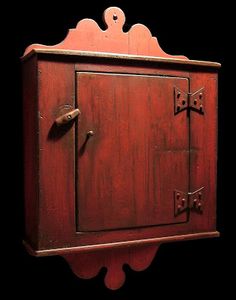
<point x="88" y="36"/>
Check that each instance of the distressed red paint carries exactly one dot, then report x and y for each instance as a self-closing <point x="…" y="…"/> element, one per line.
<point x="99" y="198"/>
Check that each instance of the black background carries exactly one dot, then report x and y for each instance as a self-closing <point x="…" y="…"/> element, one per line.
<point x="200" y="30"/>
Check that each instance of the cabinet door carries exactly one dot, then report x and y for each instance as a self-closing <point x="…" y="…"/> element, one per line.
<point x="128" y="170"/>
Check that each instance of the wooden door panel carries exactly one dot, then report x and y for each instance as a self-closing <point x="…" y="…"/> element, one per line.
<point x="139" y="154"/>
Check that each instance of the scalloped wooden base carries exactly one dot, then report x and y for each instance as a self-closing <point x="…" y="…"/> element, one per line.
<point x="88" y="265"/>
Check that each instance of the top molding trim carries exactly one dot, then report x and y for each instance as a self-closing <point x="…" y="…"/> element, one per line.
<point x="124" y="57"/>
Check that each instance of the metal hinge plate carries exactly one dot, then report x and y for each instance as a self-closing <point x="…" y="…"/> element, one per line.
<point x="192" y="101"/>
<point x="193" y="201"/>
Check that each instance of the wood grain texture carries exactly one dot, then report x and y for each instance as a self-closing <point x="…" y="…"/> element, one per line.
<point x="88" y="36"/>
<point x="88" y="265"/>
<point x="125" y="170"/>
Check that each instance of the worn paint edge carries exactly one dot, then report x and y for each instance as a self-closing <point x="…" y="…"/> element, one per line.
<point x="123" y="56"/>
<point x="107" y="246"/>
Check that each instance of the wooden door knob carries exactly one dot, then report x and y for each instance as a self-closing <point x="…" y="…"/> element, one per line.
<point x="68" y="117"/>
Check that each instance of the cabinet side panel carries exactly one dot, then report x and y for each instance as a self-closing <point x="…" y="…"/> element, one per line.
<point x="203" y="157"/>
<point x="30" y="150"/>
<point x="56" y="154"/>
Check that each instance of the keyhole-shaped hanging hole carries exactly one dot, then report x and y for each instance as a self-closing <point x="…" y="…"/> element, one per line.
<point x="115" y="17"/>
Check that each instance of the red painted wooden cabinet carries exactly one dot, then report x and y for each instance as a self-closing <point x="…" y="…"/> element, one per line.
<point x="120" y="148"/>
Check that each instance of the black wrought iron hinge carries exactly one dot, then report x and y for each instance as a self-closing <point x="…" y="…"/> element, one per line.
<point x="189" y="201"/>
<point x="192" y="101"/>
